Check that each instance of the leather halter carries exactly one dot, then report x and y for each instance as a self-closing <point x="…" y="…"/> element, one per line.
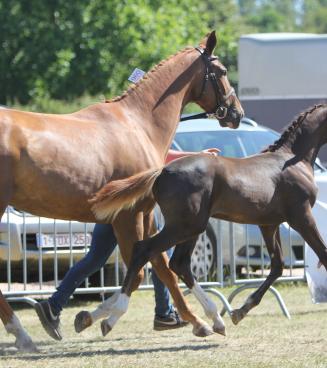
<point x="221" y="98"/>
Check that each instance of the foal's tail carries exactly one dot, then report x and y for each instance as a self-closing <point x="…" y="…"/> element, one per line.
<point x="122" y="194"/>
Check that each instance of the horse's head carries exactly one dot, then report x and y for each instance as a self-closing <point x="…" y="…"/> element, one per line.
<point x="215" y="94"/>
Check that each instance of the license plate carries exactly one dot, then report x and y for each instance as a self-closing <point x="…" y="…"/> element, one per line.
<point x="76" y="240"/>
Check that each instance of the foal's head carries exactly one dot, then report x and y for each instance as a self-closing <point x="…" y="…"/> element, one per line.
<point x="215" y="94"/>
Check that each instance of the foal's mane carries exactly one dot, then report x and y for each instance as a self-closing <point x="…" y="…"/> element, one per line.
<point x="147" y="76"/>
<point x="290" y="131"/>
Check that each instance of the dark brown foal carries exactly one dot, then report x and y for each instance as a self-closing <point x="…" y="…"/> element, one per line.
<point x="266" y="189"/>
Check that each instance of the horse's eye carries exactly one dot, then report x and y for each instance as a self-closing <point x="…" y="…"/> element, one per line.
<point x="224" y="72"/>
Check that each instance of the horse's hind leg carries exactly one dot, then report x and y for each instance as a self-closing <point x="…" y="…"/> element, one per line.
<point x="272" y="240"/>
<point x="180" y="263"/>
<point x="128" y="229"/>
<point x="11" y="322"/>
<point x="150" y="249"/>
<point x="160" y="264"/>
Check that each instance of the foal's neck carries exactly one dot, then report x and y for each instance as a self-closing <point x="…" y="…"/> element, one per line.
<point x="304" y="137"/>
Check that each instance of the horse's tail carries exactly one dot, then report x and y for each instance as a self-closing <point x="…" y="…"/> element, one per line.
<point x="122" y="194"/>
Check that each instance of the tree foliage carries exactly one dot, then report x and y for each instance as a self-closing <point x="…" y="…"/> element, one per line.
<point x="62" y="50"/>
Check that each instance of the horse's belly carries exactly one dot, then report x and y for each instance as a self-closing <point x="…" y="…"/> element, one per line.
<point x="56" y="205"/>
<point x="54" y="195"/>
<point x="256" y="209"/>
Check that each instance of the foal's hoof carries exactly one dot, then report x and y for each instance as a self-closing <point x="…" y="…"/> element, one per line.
<point x="202" y="331"/>
<point x="105" y="328"/>
<point x="237" y="315"/>
<point x="82" y="321"/>
<point x="219" y="330"/>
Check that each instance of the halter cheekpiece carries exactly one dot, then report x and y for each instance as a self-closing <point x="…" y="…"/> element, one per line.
<point x="221" y="98"/>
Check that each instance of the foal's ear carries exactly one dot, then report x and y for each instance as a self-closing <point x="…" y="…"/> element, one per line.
<point x="209" y="42"/>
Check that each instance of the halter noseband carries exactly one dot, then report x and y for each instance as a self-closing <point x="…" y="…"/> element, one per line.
<point x="221" y="98"/>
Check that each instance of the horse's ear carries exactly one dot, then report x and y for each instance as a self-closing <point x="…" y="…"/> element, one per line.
<point x="209" y="42"/>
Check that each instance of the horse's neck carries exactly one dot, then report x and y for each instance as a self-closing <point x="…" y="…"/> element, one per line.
<point x="309" y="137"/>
<point x="158" y="100"/>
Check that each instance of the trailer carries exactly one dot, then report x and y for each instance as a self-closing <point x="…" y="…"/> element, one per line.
<point x="280" y="75"/>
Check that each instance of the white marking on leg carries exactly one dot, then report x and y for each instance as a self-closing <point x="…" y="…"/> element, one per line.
<point x="104" y="309"/>
<point x="118" y="309"/>
<point x="23" y="341"/>
<point x="208" y="305"/>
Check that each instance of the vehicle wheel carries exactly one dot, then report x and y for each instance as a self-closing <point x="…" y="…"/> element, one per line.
<point x="204" y="257"/>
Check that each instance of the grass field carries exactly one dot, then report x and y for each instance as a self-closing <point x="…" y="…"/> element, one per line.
<point x="264" y="339"/>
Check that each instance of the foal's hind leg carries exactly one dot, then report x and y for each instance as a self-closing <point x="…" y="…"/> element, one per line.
<point x="180" y="263"/>
<point x="148" y="250"/>
<point x="11" y="322"/>
<point x="272" y="239"/>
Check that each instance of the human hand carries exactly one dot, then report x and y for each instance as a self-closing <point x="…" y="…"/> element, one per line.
<point x="212" y="151"/>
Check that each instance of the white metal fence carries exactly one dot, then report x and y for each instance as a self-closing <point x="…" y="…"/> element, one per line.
<point x="35" y="253"/>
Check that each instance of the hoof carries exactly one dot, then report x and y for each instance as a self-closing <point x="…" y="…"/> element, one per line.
<point x="219" y="330"/>
<point x="203" y="331"/>
<point x="237" y="315"/>
<point x="82" y="321"/>
<point x="26" y="346"/>
<point x="105" y="328"/>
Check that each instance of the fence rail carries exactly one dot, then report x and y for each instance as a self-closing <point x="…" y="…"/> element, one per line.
<point x="35" y="253"/>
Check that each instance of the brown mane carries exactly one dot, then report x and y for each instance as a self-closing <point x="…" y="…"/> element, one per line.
<point x="291" y="129"/>
<point x="147" y="76"/>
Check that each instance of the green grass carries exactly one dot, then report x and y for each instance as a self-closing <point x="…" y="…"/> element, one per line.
<point x="264" y="339"/>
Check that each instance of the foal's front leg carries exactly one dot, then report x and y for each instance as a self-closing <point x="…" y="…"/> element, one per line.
<point x="150" y="249"/>
<point x="306" y="226"/>
<point x="180" y="263"/>
<point x="272" y="240"/>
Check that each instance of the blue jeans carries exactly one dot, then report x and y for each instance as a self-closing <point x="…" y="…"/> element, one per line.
<point x="102" y="245"/>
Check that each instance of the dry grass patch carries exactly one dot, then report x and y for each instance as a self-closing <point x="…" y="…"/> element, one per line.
<point x="264" y="339"/>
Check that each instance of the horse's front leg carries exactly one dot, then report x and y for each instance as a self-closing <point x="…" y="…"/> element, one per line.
<point x="272" y="239"/>
<point x="128" y="229"/>
<point x="12" y="324"/>
<point x="151" y="249"/>
<point x="160" y="265"/>
<point x="180" y="263"/>
<point x="306" y="226"/>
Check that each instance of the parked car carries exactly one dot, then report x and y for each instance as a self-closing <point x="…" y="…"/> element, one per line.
<point x="37" y="242"/>
<point x="248" y="139"/>
<point x="46" y="245"/>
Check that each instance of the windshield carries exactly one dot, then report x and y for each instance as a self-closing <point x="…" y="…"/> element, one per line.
<point x="231" y="143"/>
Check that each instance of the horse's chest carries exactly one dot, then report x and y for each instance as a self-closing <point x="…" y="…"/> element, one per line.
<point x="298" y="183"/>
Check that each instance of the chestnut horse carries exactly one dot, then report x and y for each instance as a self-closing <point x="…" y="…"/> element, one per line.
<point x="52" y="164"/>
<point x="265" y="189"/>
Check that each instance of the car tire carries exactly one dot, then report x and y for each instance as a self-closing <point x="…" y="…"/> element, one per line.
<point x="204" y="257"/>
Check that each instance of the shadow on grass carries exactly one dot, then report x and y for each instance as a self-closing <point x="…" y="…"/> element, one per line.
<point x="78" y="353"/>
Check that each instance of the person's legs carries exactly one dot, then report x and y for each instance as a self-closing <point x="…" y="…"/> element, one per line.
<point x="102" y="245"/>
<point x="161" y="294"/>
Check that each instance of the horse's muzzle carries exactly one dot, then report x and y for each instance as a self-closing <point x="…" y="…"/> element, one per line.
<point x="232" y="119"/>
